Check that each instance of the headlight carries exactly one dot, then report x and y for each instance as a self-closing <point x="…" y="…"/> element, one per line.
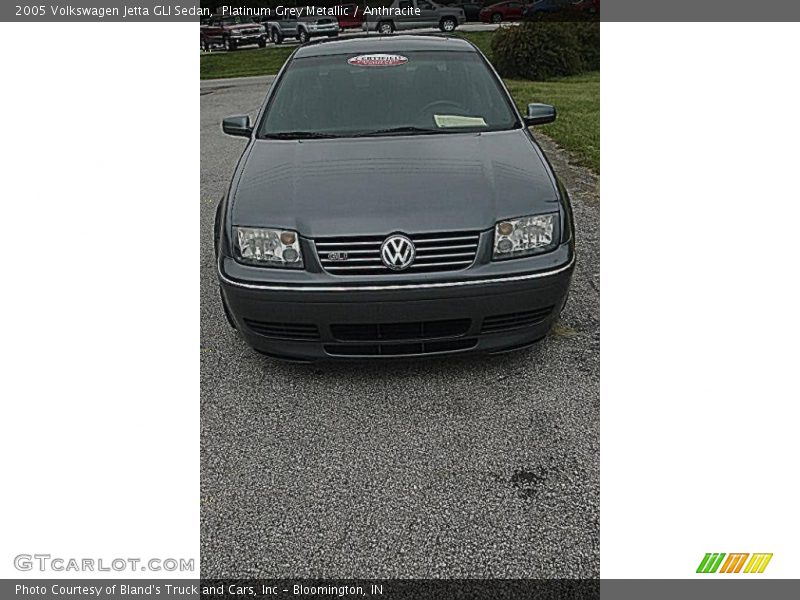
<point x="268" y="247"/>
<point x="524" y="236"/>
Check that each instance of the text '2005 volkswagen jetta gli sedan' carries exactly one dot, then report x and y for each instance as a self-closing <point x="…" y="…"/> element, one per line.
<point x="392" y="202"/>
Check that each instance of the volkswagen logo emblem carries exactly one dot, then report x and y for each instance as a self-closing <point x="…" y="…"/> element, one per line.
<point x="397" y="252"/>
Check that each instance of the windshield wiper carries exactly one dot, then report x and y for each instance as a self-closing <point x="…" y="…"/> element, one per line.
<point x="397" y="131"/>
<point x="298" y="135"/>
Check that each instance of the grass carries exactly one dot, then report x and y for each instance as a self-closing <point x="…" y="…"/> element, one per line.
<point x="482" y="39"/>
<point x="576" y="98"/>
<point x="244" y="63"/>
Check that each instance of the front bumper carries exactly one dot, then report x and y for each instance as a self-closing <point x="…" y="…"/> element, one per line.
<point x="325" y="323"/>
<point x="249" y="39"/>
<point x="326" y="29"/>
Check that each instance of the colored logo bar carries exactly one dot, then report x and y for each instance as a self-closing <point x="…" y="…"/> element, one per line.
<point x="713" y="562"/>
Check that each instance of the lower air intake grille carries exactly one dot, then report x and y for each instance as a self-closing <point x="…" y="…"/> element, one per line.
<point x="400" y="348"/>
<point x="435" y="252"/>
<point x="284" y="331"/>
<point x="418" y="330"/>
<point x="515" y="320"/>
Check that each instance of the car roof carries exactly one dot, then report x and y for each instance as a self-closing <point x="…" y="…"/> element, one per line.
<point x="375" y="43"/>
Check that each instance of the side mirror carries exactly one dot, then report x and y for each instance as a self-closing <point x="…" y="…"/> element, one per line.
<point x="237" y="126"/>
<point x="539" y="114"/>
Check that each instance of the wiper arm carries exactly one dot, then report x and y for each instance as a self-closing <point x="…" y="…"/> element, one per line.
<point x="397" y="131"/>
<point x="298" y="135"/>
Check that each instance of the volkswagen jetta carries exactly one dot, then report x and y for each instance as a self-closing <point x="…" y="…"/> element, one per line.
<point x="391" y="201"/>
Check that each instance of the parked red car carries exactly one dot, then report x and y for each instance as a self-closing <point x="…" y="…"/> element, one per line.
<point x="352" y="16"/>
<point x="502" y="11"/>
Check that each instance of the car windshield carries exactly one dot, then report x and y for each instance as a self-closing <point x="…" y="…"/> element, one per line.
<point x="237" y="20"/>
<point x="410" y="93"/>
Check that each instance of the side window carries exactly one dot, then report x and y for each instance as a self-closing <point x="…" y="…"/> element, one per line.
<point x="406" y="4"/>
<point x="422" y="5"/>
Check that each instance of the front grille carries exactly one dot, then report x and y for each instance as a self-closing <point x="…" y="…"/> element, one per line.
<point x="435" y="252"/>
<point x="400" y="349"/>
<point x="250" y="31"/>
<point x="418" y="330"/>
<point x="515" y="320"/>
<point x="284" y="331"/>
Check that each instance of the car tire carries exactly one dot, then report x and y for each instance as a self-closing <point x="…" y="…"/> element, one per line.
<point x="228" y="44"/>
<point x="277" y="38"/>
<point x="302" y="36"/>
<point x="204" y="44"/>
<point x="497" y="18"/>
<point x="448" y="24"/>
<point x="386" y="28"/>
<point x="262" y="42"/>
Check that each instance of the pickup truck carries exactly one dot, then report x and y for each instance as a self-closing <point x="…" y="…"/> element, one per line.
<point x="303" y="28"/>
<point x="413" y="14"/>
<point x="232" y="32"/>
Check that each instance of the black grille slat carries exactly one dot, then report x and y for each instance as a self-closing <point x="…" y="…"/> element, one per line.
<point x="284" y="331"/>
<point x="415" y="330"/>
<point x="508" y="321"/>
<point x="400" y="349"/>
<point x="435" y="252"/>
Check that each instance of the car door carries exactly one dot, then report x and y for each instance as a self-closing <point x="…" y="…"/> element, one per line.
<point x="289" y="25"/>
<point x="212" y="30"/>
<point x="406" y="21"/>
<point x="428" y="14"/>
<point x="514" y="10"/>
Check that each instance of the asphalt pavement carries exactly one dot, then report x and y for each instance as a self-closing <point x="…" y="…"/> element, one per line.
<point x="465" y="467"/>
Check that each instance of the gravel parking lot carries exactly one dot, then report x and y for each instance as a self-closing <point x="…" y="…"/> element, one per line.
<point x="466" y="467"/>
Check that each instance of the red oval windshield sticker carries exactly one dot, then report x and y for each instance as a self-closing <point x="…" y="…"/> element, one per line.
<point x="377" y="60"/>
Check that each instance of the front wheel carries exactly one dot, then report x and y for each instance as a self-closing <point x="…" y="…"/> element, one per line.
<point x="448" y="25"/>
<point x="385" y="28"/>
<point x="277" y="38"/>
<point x="229" y="44"/>
<point x="262" y="42"/>
<point x="303" y="36"/>
<point x="497" y="17"/>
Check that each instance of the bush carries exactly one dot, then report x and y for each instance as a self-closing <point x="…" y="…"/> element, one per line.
<point x="588" y="33"/>
<point x="545" y="49"/>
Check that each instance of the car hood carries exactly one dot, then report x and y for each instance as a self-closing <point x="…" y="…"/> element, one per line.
<point x="242" y="26"/>
<point x="375" y="186"/>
